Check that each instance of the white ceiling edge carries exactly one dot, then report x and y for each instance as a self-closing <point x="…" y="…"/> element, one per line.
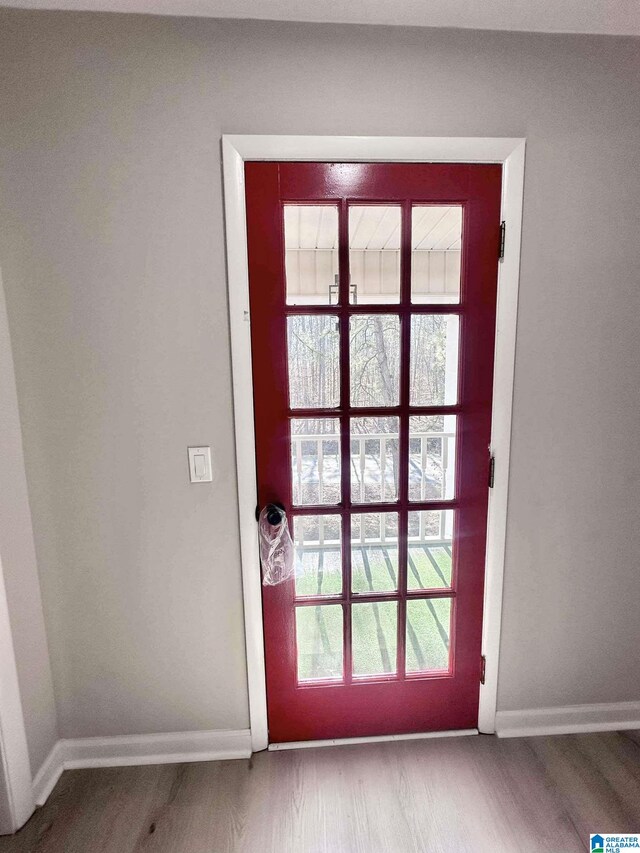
<point x="596" y="17"/>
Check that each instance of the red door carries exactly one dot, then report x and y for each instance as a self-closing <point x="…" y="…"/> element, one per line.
<point x="373" y="294"/>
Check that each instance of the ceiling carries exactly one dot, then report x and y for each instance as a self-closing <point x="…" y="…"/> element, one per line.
<point x="613" y="17"/>
<point x="435" y="228"/>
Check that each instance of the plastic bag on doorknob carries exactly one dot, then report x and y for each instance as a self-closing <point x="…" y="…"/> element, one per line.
<point x="277" y="553"/>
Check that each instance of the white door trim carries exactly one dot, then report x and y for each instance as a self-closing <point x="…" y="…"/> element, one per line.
<point x="16" y="795"/>
<point x="238" y="149"/>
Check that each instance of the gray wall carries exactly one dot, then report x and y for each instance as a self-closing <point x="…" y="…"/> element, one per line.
<point x="19" y="574"/>
<point x="111" y="239"/>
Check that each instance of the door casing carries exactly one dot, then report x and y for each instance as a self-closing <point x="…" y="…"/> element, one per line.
<point x="510" y="152"/>
<point x="16" y="792"/>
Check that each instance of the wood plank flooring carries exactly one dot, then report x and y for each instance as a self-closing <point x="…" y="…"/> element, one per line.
<point x="457" y="795"/>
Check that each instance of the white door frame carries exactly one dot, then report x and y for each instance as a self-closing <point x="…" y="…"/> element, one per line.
<point x="238" y="149"/>
<point x="16" y="792"/>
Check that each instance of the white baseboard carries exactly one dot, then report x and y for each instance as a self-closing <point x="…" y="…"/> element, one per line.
<point x="178" y="747"/>
<point x="46" y="778"/>
<point x="573" y="719"/>
<point x="127" y="750"/>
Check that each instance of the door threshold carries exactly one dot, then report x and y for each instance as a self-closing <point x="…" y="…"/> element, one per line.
<point x="347" y="741"/>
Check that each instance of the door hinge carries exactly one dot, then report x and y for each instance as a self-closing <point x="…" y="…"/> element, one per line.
<point x="483" y="668"/>
<point x="492" y="470"/>
<point x="503" y="231"/>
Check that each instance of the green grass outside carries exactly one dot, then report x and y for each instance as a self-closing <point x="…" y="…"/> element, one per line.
<point x="374" y="626"/>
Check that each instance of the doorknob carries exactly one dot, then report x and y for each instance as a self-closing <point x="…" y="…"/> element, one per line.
<point x="277" y="555"/>
<point x="275" y="513"/>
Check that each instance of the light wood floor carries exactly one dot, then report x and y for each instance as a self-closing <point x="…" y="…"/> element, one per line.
<point x="449" y="796"/>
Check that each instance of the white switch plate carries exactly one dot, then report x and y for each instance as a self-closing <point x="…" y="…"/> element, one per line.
<point x="199" y="464"/>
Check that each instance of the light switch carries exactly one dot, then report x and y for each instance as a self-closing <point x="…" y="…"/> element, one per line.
<point x="200" y="464"/>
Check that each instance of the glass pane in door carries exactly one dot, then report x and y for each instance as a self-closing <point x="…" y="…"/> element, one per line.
<point x="374" y="551"/>
<point x="311" y="254"/>
<point x="433" y="379"/>
<point x="318" y="548"/>
<point x="374" y="459"/>
<point x="430" y="549"/>
<point x="432" y="457"/>
<point x="374" y="629"/>
<point x="315" y="461"/>
<point x="313" y="342"/>
<point x="319" y="641"/>
<point x="374" y="254"/>
<point x="436" y="243"/>
<point x="374" y="359"/>
<point x="428" y="634"/>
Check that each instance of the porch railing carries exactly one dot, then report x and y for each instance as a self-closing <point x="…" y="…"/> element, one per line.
<point x="316" y="463"/>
